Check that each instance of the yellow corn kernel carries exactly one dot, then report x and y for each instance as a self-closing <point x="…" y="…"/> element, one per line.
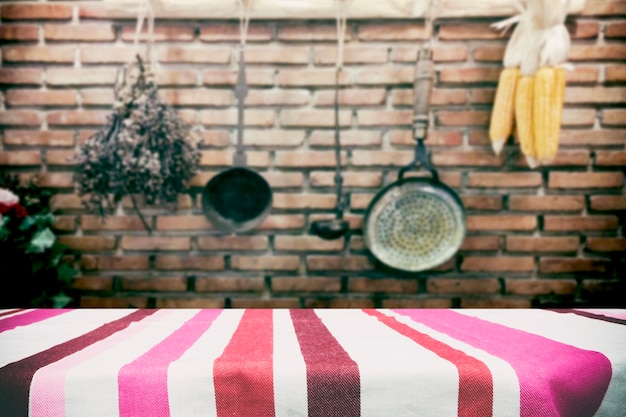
<point x="544" y="113"/>
<point x="524" y="114"/>
<point x="502" y="116"/>
<point x="552" y="143"/>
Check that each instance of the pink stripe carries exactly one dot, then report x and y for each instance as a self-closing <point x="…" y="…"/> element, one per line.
<point x="621" y="316"/>
<point x="143" y="382"/>
<point x="556" y="380"/>
<point x="243" y="375"/>
<point x="13" y="311"/>
<point x="47" y="395"/>
<point x="29" y="318"/>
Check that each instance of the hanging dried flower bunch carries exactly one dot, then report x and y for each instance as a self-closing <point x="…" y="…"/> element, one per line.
<point x="143" y="149"/>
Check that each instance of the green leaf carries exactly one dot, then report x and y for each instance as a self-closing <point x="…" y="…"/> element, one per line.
<point x="41" y="241"/>
<point x="66" y="273"/>
<point x="27" y="223"/>
<point x="60" y="300"/>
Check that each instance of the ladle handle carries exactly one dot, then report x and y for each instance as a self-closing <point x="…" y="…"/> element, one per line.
<point x="422" y="88"/>
<point x="241" y="91"/>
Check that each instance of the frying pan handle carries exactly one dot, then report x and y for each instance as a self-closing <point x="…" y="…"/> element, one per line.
<point x="422" y="89"/>
<point x="241" y="91"/>
<point x="421" y="157"/>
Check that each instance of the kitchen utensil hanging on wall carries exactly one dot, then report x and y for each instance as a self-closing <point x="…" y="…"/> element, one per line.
<point x="238" y="199"/>
<point x="338" y="227"/>
<point x="415" y="224"/>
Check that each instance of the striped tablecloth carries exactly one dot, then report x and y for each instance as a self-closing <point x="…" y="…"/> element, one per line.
<point x="501" y="363"/>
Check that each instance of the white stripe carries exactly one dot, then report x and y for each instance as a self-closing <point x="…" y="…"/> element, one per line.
<point x="584" y="333"/>
<point x="290" y="386"/>
<point x="14" y="314"/>
<point x="398" y="376"/>
<point x="190" y="378"/>
<point x="506" y="388"/>
<point x="26" y="341"/>
<point x="91" y="388"/>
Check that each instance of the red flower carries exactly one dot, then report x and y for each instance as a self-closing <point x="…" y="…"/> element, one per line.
<point x="20" y="212"/>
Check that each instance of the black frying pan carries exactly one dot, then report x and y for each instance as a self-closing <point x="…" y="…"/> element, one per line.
<point x="415" y="224"/>
<point x="237" y="199"/>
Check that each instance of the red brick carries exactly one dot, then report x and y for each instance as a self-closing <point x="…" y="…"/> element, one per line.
<point x="614" y="117"/>
<point x="451" y="179"/>
<point x="498" y="264"/>
<point x="462" y="286"/>
<point x="391" y="32"/>
<point x="260" y="118"/>
<point x="113" y="302"/>
<point x="178" y="78"/>
<point x="455" y="31"/>
<point x="22" y="33"/>
<point x="197" y="97"/>
<point x="254" y="77"/>
<point x="162" y="32"/>
<point x="360" y="201"/>
<point x="310" y="159"/>
<point x="584" y="29"/>
<point x="564" y="158"/>
<point x="505" y="180"/>
<point x="19" y="118"/>
<point x="351" y="98"/>
<point x="607" y="52"/>
<point x="481" y="243"/>
<point x="542" y="244"/>
<point x="183" y="222"/>
<point x="381" y="158"/>
<point x="417" y="303"/>
<point x="95" y="223"/>
<point x="608" y="202"/>
<point x="88" y="243"/>
<point x="107" y="54"/>
<point x="339" y="263"/>
<point x="39" y="54"/>
<point x="230" y="284"/>
<point x="20" y="158"/>
<point x="439" y="97"/>
<point x="66" y="202"/>
<point x="593" y="138"/>
<point x="225" y="158"/>
<point x="62" y="158"/>
<point x="172" y="284"/>
<point x="482" y="202"/>
<point x="282" y="222"/>
<point x="482" y="95"/>
<point x="62" y="77"/>
<point x="540" y="286"/>
<point x="495" y="303"/>
<point x="383" y="285"/>
<point x="64" y="223"/>
<point x="572" y="265"/>
<point x="155" y="243"/>
<point x="462" y="158"/>
<point x="171" y="262"/>
<point x="24" y="76"/>
<point x="307" y="285"/>
<point x="31" y="11"/>
<point x="501" y="223"/>
<point x="489" y="53"/>
<point x="215" y="138"/>
<point x="578" y="117"/>
<point x="464" y="118"/>
<point x="352" y="55"/>
<point x="267" y="304"/>
<point x="93" y="10"/>
<point x="578" y="180"/>
<point x="579" y="223"/>
<point x="180" y="302"/>
<point x="351" y="179"/>
<point x="339" y="303"/>
<point x="611" y="158"/>
<point x="310" y="32"/>
<point x="606" y="244"/>
<point x="582" y="75"/>
<point x="603" y="8"/>
<point x="284" y="179"/>
<point x="257" y="263"/>
<point x="79" y="33"/>
<point x="194" y="55"/>
<point x="228" y="32"/>
<point x="311" y="78"/>
<point x="469" y="75"/>
<point x="283" y="98"/>
<point x="595" y="95"/>
<point x="444" y="53"/>
<point x="78" y="118"/>
<point x="384" y="118"/>
<point x="615" y="73"/>
<point x="284" y="55"/>
<point x="385" y="76"/>
<point x="615" y="30"/>
<point x="27" y="97"/>
<point x="92" y="283"/>
<point x="313" y="118"/>
<point x="306" y="244"/>
<point x="434" y="138"/>
<point x="125" y="263"/>
<point x="253" y="243"/>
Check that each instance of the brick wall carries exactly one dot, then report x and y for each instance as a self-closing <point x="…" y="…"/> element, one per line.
<point x="554" y="235"/>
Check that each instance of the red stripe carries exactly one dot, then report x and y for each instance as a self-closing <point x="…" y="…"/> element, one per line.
<point x="16" y="310"/>
<point x="333" y="382"/>
<point x="29" y="318"/>
<point x="15" y="378"/>
<point x="475" y="380"/>
<point x="243" y="374"/>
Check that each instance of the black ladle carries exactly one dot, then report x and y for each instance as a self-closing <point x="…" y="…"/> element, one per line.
<point x="336" y="228"/>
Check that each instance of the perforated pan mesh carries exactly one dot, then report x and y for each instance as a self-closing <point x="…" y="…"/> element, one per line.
<point x="414" y="226"/>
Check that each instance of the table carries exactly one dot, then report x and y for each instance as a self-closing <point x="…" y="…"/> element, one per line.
<point x="378" y="362"/>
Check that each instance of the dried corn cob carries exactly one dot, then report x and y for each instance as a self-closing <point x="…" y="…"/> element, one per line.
<point x="503" y="112"/>
<point x="548" y="111"/>
<point x="524" y="117"/>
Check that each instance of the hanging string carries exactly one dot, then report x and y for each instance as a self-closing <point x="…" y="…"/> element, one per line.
<point x="430" y="16"/>
<point x="342" y="21"/>
<point x="146" y="12"/>
<point x="244" y="21"/>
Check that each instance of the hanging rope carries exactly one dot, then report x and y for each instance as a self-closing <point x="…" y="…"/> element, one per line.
<point x="146" y="13"/>
<point x="430" y="16"/>
<point x="342" y="21"/>
<point x="244" y="21"/>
